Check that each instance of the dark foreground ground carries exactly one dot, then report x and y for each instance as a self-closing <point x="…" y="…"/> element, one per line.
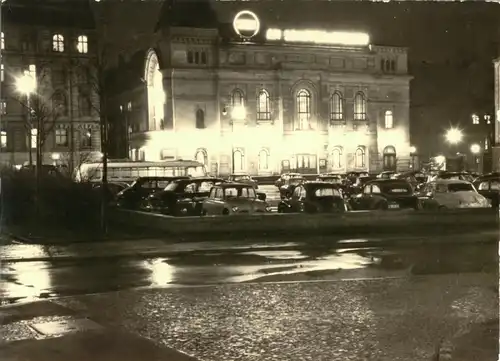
<point x="299" y="303"/>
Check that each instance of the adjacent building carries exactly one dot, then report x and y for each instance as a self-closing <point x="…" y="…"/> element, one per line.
<point x="256" y="97"/>
<point x="48" y="89"/>
<point x="496" y="146"/>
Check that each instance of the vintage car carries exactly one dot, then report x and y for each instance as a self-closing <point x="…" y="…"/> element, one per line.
<point x="285" y="178"/>
<point x="183" y="197"/>
<point x="243" y="178"/>
<point x="464" y="176"/>
<point x="289" y="185"/>
<point x="489" y="187"/>
<point x="386" y="175"/>
<point x="233" y="199"/>
<point x="330" y="178"/>
<point x="384" y="194"/>
<point x="449" y="194"/>
<point x="133" y="196"/>
<point x="314" y="197"/>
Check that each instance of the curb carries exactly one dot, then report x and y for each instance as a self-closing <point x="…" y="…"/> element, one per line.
<point x="486" y="238"/>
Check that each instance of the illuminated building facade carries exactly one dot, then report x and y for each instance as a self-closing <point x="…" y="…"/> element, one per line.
<point x="248" y="97"/>
<point x="49" y="43"/>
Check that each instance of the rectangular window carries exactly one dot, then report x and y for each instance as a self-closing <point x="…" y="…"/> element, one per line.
<point x="3" y="107"/>
<point x="34" y="136"/>
<point x="3" y="139"/>
<point x="86" y="140"/>
<point x="62" y="137"/>
<point x="85" y="102"/>
<point x="2" y="72"/>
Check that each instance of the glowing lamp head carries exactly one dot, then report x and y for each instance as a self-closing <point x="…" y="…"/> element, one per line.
<point x="413" y="149"/>
<point x="475" y="148"/>
<point x="440" y="159"/>
<point x="454" y="136"/>
<point x="239" y="112"/>
<point x="246" y="24"/>
<point x="26" y="84"/>
<point x="56" y="156"/>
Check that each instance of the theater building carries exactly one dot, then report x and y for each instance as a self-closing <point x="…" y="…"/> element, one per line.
<point x="257" y="98"/>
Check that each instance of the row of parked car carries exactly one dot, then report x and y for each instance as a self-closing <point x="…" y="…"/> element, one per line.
<point x="388" y="190"/>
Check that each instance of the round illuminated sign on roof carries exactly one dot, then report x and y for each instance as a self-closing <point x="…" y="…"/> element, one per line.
<point x="246" y="24"/>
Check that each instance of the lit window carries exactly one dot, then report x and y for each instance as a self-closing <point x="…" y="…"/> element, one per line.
<point x="359" y="158"/>
<point x="263" y="106"/>
<point x="58" y="43"/>
<point x="237" y="99"/>
<point x="3" y="107"/>
<point x="303" y="109"/>
<point x="263" y="159"/>
<point x="359" y="106"/>
<point x="238" y="161"/>
<point x="336" y="106"/>
<point x="33" y="140"/>
<point x="2" y="45"/>
<point x="62" y="137"/>
<point x="129" y="106"/>
<point x="3" y="139"/>
<point x="82" y="44"/>
<point x="86" y="141"/>
<point x="2" y="72"/>
<point x="475" y="119"/>
<point x="337" y="157"/>
<point x="389" y="120"/>
<point x="31" y="72"/>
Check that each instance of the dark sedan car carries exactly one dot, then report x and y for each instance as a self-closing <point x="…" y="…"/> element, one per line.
<point x="133" y="196"/>
<point x="183" y="197"/>
<point x="384" y="194"/>
<point x="289" y="185"/>
<point x="314" y="197"/>
<point x="489" y="187"/>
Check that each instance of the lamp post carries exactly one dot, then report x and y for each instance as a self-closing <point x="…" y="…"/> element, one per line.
<point x="26" y="85"/>
<point x="475" y="150"/>
<point x="413" y="153"/>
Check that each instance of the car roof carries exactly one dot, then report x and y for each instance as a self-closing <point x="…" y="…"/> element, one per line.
<point x="235" y="184"/>
<point x="449" y="181"/>
<point x="387" y="181"/>
<point x="320" y="183"/>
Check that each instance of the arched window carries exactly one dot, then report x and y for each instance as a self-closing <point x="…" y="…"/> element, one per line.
<point x="58" y="43"/>
<point x="190" y="58"/>
<point x="359" y="106"/>
<point x="82" y="44"/>
<point x="263" y="159"/>
<point x="337" y="158"/>
<point x="382" y="64"/>
<point x="201" y="156"/>
<point x="200" y="119"/>
<point x="359" y="158"/>
<point x="389" y="158"/>
<point x="387" y="65"/>
<point x="237" y="99"/>
<point x="303" y="109"/>
<point x="389" y="121"/>
<point x="336" y="106"/>
<point x="3" y="41"/>
<point x="393" y="65"/>
<point x="156" y="93"/>
<point x="263" y="106"/>
<point x="238" y="161"/>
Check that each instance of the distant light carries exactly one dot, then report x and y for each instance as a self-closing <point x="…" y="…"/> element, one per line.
<point x="454" y="136"/>
<point x="56" y="156"/>
<point x="413" y="149"/>
<point x="274" y="34"/>
<point x="475" y="148"/>
<point x="440" y="159"/>
<point x="26" y="84"/>
<point x="326" y="37"/>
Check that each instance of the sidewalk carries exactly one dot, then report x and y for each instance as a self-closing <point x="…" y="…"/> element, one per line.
<point x="159" y="248"/>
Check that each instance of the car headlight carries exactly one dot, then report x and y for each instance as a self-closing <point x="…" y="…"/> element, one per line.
<point x="235" y="209"/>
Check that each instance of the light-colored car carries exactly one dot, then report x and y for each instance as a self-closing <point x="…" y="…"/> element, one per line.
<point x="451" y="194"/>
<point x="233" y="199"/>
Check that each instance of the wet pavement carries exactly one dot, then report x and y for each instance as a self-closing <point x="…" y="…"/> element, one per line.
<point x="381" y="303"/>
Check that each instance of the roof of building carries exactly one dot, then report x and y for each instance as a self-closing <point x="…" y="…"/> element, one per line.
<point x="53" y="13"/>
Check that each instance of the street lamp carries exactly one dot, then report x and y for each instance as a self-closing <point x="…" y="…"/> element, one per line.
<point x="454" y="136"/>
<point x="475" y="150"/>
<point x="413" y="151"/>
<point x="26" y="85"/>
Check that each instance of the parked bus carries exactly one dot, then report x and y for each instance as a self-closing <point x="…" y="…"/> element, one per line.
<point x="129" y="171"/>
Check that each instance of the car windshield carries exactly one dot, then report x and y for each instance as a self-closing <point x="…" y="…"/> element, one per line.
<point x="239" y="178"/>
<point x="396" y="188"/>
<point x="459" y="187"/>
<point x="239" y="192"/>
<point x="172" y="186"/>
<point x="326" y="192"/>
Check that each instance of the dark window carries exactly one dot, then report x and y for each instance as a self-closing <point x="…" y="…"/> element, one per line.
<point x="200" y="119"/>
<point x="60" y="103"/>
<point x="190" y="57"/>
<point x="393" y="65"/>
<point x="197" y="57"/>
<point x="382" y="65"/>
<point x="203" y="57"/>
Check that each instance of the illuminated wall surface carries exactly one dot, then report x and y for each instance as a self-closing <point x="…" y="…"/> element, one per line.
<point x="496" y="148"/>
<point x="270" y="100"/>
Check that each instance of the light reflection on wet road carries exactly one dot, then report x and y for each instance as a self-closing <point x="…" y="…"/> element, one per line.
<point x="25" y="281"/>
